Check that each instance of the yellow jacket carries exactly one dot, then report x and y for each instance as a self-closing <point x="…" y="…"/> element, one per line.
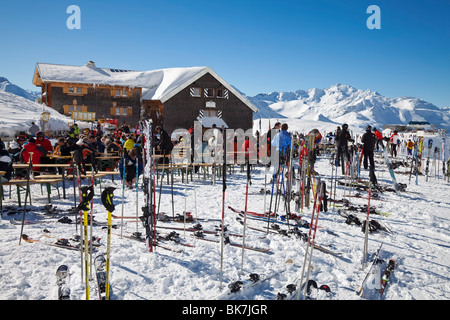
<point x="129" y="144"/>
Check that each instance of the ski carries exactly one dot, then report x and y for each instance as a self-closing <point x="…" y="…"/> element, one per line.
<point x="200" y="236"/>
<point x="375" y="261"/>
<point x="275" y="229"/>
<point x="63" y="282"/>
<point x="387" y="274"/>
<point x="148" y="217"/>
<point x="95" y="241"/>
<point x="137" y="236"/>
<point x="64" y="220"/>
<point x="391" y="171"/>
<point x="266" y="215"/>
<point x="430" y="144"/>
<point x="283" y="221"/>
<point x="60" y="243"/>
<point x="443" y="156"/>
<point x="100" y="274"/>
<point x="193" y="228"/>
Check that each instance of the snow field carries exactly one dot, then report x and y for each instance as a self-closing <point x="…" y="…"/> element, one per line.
<point x="418" y="218"/>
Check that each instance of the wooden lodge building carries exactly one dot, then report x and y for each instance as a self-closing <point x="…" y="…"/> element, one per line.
<point x="173" y="98"/>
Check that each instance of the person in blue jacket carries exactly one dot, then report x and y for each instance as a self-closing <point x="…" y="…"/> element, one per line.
<point x="129" y="161"/>
<point x="282" y="142"/>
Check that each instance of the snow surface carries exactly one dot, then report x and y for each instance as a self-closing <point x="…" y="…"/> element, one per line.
<point x="419" y="219"/>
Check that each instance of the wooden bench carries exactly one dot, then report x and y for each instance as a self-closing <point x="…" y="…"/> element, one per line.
<point x="21" y="186"/>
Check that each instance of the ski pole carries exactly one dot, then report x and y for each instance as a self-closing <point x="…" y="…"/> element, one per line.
<point x="224" y="187"/>
<point x="366" y="235"/>
<point x="29" y="172"/>
<point x="107" y="197"/>
<point x="123" y="190"/>
<point x="245" y="215"/>
<point x="137" y="191"/>
<point x="87" y="194"/>
<point x="311" y="224"/>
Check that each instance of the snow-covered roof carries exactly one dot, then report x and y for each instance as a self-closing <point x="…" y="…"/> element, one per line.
<point x="159" y="84"/>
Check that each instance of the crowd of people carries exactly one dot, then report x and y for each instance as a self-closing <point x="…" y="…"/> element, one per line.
<point x="84" y="148"/>
<point x="127" y="144"/>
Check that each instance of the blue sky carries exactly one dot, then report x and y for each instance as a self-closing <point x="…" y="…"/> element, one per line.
<point x="257" y="46"/>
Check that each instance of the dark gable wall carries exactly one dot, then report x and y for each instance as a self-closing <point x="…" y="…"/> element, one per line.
<point x="182" y="110"/>
<point x="99" y="100"/>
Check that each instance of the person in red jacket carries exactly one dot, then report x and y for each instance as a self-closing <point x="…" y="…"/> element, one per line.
<point x="379" y="137"/>
<point x="31" y="146"/>
<point x="42" y="141"/>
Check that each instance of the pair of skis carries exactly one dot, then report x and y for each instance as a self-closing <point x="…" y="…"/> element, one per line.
<point x="101" y="263"/>
<point x="63" y="279"/>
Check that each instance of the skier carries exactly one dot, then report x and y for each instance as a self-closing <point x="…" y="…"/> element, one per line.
<point x="130" y="159"/>
<point x="37" y="153"/>
<point x="115" y="146"/>
<point x="5" y="163"/>
<point x="282" y="143"/>
<point x="394" y="140"/>
<point x="62" y="148"/>
<point x="274" y="130"/>
<point x="74" y="131"/>
<point x="379" y="136"/>
<point x="409" y="147"/>
<point x="96" y="144"/>
<point x="369" y="140"/>
<point x="33" y="129"/>
<point x="41" y="140"/>
<point x="164" y="144"/>
<point x="129" y="144"/>
<point x="342" y="146"/>
<point x="16" y="147"/>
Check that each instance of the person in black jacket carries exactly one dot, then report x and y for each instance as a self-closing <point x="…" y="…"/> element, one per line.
<point x="342" y="147"/>
<point x="5" y="163"/>
<point x="369" y="140"/>
<point x="164" y="144"/>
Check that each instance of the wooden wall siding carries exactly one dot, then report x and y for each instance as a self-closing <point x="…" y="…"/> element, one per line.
<point x="182" y="110"/>
<point x="99" y="100"/>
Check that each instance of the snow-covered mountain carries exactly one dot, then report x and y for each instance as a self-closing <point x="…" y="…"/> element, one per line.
<point x="18" y="110"/>
<point x="6" y="86"/>
<point x="346" y="104"/>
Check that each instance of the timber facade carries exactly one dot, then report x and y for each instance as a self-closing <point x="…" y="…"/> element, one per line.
<point x="113" y="102"/>
<point x="205" y="97"/>
<point x="130" y="96"/>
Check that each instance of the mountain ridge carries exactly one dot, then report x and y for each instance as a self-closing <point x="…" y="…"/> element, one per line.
<point x="343" y="103"/>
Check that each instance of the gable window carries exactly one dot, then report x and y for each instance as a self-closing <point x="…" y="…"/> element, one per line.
<point x="209" y="113"/>
<point x="209" y="93"/>
<point x="196" y="92"/>
<point x="222" y="93"/>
